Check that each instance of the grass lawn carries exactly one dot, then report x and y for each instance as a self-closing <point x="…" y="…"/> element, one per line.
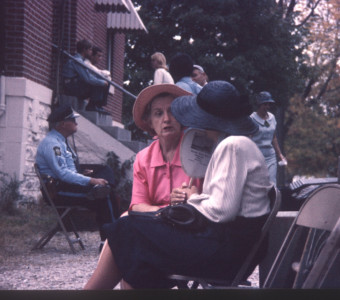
<point x="18" y="230"/>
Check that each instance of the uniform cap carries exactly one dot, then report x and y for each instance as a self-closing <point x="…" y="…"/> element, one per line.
<point x="62" y="113"/>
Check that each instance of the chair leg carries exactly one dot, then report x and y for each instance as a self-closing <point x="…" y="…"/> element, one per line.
<point x="46" y="238"/>
<point x="64" y="231"/>
<point x="110" y="208"/>
<point x="78" y="239"/>
<point x="182" y="285"/>
<point x="194" y="285"/>
<point x="60" y="225"/>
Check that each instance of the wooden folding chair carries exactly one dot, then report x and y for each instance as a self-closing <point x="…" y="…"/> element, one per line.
<point x="62" y="212"/>
<point x="304" y="247"/>
<point x="248" y="265"/>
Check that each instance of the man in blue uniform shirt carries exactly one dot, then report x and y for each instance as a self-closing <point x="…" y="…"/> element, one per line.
<point x="55" y="158"/>
<point x="82" y="83"/>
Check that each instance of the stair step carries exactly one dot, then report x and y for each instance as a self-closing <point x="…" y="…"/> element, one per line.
<point x="97" y="118"/>
<point x="135" y="146"/>
<point x="118" y="133"/>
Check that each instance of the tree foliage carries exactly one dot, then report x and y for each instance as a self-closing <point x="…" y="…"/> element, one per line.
<point x="313" y="143"/>
<point x="289" y="47"/>
<point x="246" y="42"/>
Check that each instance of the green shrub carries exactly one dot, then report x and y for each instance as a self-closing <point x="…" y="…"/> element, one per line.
<point x="123" y="189"/>
<point x="9" y="193"/>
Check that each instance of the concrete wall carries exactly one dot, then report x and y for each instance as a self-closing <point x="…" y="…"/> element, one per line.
<point x="22" y="125"/>
<point x="25" y="108"/>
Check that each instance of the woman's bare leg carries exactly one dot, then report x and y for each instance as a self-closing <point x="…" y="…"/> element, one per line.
<point x="106" y="275"/>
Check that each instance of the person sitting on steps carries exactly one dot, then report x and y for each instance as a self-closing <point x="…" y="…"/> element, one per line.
<point x="93" y="62"/>
<point x="80" y="82"/>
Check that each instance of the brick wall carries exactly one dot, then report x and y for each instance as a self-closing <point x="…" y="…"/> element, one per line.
<point x="90" y="26"/>
<point x="118" y="49"/>
<point x="31" y="26"/>
<point x="28" y="40"/>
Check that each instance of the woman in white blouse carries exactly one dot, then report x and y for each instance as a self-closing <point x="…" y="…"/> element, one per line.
<point x="161" y="75"/>
<point x="234" y="204"/>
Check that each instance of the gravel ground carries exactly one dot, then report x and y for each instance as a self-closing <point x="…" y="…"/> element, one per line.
<point x="52" y="268"/>
<point x="55" y="267"/>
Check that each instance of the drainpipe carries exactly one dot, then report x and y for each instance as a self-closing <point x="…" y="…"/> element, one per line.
<point x="2" y="95"/>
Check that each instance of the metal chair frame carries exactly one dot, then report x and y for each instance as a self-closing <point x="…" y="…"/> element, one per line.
<point x="324" y="262"/>
<point x="62" y="212"/>
<point x="312" y="227"/>
<point x="275" y="203"/>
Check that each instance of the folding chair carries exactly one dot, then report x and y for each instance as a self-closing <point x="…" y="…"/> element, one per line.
<point x="62" y="213"/>
<point x="306" y="240"/>
<point x="325" y="261"/>
<point x="248" y="265"/>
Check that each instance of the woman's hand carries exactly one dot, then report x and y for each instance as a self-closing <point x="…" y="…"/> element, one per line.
<point x="182" y="194"/>
<point x="177" y="196"/>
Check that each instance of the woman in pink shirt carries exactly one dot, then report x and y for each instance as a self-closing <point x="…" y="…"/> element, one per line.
<point x="157" y="169"/>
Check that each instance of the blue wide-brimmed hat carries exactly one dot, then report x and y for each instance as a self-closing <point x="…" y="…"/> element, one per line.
<point x="264" y="97"/>
<point x="219" y="107"/>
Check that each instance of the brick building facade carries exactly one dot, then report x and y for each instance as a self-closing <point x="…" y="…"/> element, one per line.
<point x="32" y="26"/>
<point x="30" y="69"/>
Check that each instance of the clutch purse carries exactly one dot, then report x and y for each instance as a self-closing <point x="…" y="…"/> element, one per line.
<point x="181" y="215"/>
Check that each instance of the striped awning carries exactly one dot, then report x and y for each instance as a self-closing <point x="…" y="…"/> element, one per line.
<point x="119" y="6"/>
<point x="125" y="21"/>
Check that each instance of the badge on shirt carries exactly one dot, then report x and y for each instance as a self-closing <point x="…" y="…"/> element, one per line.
<point x="57" y="151"/>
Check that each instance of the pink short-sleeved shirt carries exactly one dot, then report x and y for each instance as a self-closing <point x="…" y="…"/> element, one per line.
<point x="154" y="179"/>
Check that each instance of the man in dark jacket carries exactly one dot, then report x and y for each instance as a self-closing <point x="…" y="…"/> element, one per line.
<point x="81" y="82"/>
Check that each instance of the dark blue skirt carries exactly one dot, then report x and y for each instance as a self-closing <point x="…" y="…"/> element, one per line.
<point x="147" y="250"/>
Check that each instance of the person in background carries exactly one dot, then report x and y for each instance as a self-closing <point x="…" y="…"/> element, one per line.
<point x="157" y="169"/>
<point x="234" y="204"/>
<point x="80" y="82"/>
<point x="55" y="158"/>
<point x="158" y="63"/>
<point x="181" y="66"/>
<point x="198" y="75"/>
<point x="266" y="138"/>
<point x="94" y="60"/>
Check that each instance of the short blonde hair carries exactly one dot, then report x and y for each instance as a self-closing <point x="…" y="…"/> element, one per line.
<point x="160" y="59"/>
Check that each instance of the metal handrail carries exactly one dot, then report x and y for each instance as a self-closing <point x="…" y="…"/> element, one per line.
<point x="97" y="74"/>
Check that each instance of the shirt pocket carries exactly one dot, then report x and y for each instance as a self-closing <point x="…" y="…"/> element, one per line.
<point x="61" y="161"/>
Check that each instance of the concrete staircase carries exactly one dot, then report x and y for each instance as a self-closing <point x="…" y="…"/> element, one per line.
<point x="104" y="121"/>
<point x="122" y="135"/>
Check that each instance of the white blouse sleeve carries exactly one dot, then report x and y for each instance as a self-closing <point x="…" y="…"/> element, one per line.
<point x="223" y="184"/>
<point x="158" y="76"/>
